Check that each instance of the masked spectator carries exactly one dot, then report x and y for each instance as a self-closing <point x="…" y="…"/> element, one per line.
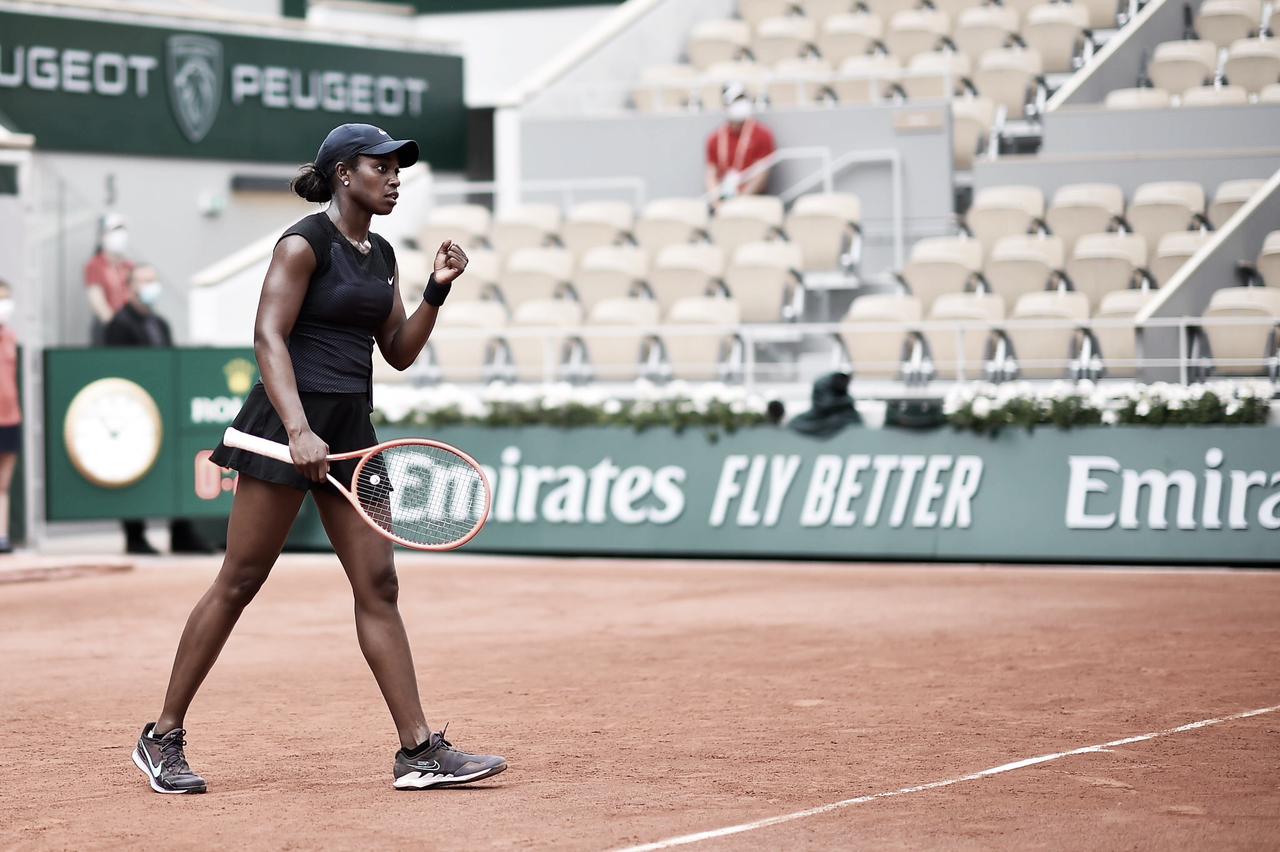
<point x="740" y="143"/>
<point x="106" y="276"/>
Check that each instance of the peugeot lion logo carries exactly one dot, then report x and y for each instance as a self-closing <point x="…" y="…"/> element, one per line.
<point x="195" y="83"/>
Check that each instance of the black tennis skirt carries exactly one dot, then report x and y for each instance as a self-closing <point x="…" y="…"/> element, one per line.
<point x="11" y="439"/>
<point x="340" y="419"/>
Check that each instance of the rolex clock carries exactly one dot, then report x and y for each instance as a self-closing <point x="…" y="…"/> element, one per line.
<point x="113" y="432"/>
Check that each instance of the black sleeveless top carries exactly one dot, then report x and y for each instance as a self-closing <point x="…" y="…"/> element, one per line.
<point x="349" y="297"/>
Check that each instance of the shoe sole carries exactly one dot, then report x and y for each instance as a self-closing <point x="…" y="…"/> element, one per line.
<point x="137" y="761"/>
<point x="419" y="784"/>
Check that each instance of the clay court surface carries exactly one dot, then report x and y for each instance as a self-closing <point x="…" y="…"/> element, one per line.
<point x="640" y="701"/>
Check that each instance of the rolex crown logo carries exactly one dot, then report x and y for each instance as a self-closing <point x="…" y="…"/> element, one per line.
<point x="239" y="373"/>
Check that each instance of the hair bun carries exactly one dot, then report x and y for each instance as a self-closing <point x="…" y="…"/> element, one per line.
<point x="310" y="185"/>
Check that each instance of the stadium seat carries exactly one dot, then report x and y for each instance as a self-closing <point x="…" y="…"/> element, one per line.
<point x="886" y="9"/>
<point x="414" y="268"/>
<point x="824" y="227"/>
<point x="1173" y="251"/>
<point x="596" y="223"/>
<point x="700" y="356"/>
<point x="1253" y="63"/>
<point x="1023" y="7"/>
<point x="1057" y="32"/>
<point x="874" y="351"/>
<point x="941" y="265"/>
<point x="1137" y="99"/>
<point x="1118" y="343"/>
<point x="467" y="223"/>
<point x="746" y="219"/>
<point x="457" y="350"/>
<point x="1270" y="94"/>
<point x="1084" y="208"/>
<point x="822" y="10"/>
<point x="484" y="269"/>
<point x="844" y="36"/>
<point x="1044" y="352"/>
<point x="936" y="75"/>
<point x="1102" y="263"/>
<point x="1164" y="206"/>
<point x="1009" y="76"/>
<point x="1179" y="65"/>
<point x="610" y="273"/>
<point x="999" y="211"/>
<point x="665" y="88"/>
<point x="1226" y="21"/>
<point x="755" y="12"/>
<point x="1240" y="342"/>
<point x="782" y="38"/>
<point x="752" y="77"/>
<point x="684" y="271"/>
<point x="539" y="357"/>
<point x="716" y="41"/>
<point x="670" y="221"/>
<point x="983" y="28"/>
<point x="960" y="352"/>
<point x="953" y="8"/>
<point x="972" y="120"/>
<point x="866" y="79"/>
<point x="1229" y="197"/>
<point x="1269" y="260"/>
<point x="798" y="82"/>
<point x="913" y="31"/>
<point x="1215" y="96"/>
<point x="764" y="279"/>
<point x="1102" y="13"/>
<point x="535" y="274"/>
<point x="1022" y="263"/>
<point x="617" y="352"/>
<point x="525" y="226"/>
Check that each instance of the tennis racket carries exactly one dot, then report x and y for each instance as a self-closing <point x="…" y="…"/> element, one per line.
<point x="419" y="493"/>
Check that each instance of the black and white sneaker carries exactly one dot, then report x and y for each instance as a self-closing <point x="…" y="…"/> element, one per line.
<point x="437" y="763"/>
<point x="163" y="762"/>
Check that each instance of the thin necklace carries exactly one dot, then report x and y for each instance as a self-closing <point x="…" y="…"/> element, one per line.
<point x="362" y="246"/>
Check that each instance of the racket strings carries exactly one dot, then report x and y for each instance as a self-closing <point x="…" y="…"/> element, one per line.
<point x="422" y="494"/>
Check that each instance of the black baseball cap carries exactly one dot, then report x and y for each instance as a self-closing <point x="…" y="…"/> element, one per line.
<point x="346" y="141"/>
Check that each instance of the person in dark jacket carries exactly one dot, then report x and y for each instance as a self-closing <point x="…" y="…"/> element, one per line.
<point x="138" y="324"/>
<point x="833" y="410"/>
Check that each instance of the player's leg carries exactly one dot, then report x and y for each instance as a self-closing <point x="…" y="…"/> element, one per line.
<point x="8" y="461"/>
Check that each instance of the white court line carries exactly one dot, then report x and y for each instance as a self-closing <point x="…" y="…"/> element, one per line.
<point x="686" y="839"/>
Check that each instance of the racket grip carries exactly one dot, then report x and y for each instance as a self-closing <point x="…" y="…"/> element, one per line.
<point x="241" y="441"/>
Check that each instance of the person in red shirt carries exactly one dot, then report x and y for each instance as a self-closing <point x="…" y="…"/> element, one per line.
<point x="10" y="410"/>
<point x="106" y="276"/>
<point x="735" y="147"/>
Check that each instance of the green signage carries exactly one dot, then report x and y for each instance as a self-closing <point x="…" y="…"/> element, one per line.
<point x="81" y="85"/>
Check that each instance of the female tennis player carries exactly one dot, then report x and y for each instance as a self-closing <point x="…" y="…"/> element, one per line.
<point x="331" y="291"/>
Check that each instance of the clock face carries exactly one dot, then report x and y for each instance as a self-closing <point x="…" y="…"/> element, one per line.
<point x="113" y="432"/>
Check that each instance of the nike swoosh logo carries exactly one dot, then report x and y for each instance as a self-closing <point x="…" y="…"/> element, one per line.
<point x="433" y="766"/>
<point x="392" y="281"/>
<point x="146" y="755"/>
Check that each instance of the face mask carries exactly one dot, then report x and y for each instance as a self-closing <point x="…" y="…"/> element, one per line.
<point x="6" y="311"/>
<point x="116" y="241"/>
<point x="150" y="293"/>
<point x="740" y="110"/>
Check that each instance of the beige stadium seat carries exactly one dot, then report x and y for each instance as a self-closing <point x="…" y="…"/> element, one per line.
<point x="1023" y="263"/>
<point x="886" y="9"/>
<point x="1225" y="21"/>
<point x="484" y="270"/>
<point x="843" y="36"/>
<point x="1173" y="251"/>
<point x="538" y="356"/>
<point x="468" y="224"/>
<point x="1101" y="263"/>
<point x="876" y="348"/>
<point x="1270" y="94"/>
<point x="1178" y="65"/>
<point x="1229" y="197"/>
<point x="717" y="41"/>
<point x="960" y="352"/>
<point x="777" y="39"/>
<point x="752" y="77"/>
<point x="698" y="357"/>
<point x="913" y="31"/>
<point x="1269" y="260"/>
<point x="936" y="75"/>
<point x="616" y="338"/>
<point x="458" y="348"/>
<point x="1042" y="351"/>
<point x="671" y="221"/>
<point x="414" y="268"/>
<point x="1056" y="30"/>
<point x="799" y="82"/>
<point x="1253" y="63"/>
<point x="983" y="28"/>
<point x="666" y="88"/>
<point x="1000" y="211"/>
<point x="1117" y="344"/>
<point x="941" y="265"/>
<point x="535" y="274"/>
<point x="824" y="226"/>
<point x="756" y="11"/>
<point x="596" y="223"/>
<point x="1022" y="7"/>
<point x="822" y="10"/>
<point x="1137" y="99"/>
<point x="1102" y="13"/>
<point x="1009" y="77"/>
<point x="866" y="79"/>
<point x="1164" y="206"/>
<point x="685" y="271"/>
<point x="764" y="279"/>
<point x="954" y="8"/>
<point x="1084" y="208"/>
<point x="972" y="120"/>
<point x="610" y="272"/>
<point x="525" y="226"/>
<point x="746" y="219"/>
<point x="1199" y="96"/>
<point x="1239" y="342"/>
